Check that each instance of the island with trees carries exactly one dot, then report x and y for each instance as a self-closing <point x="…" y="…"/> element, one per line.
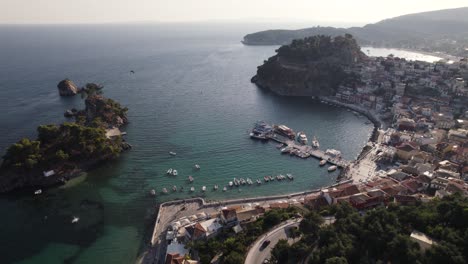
<point x="62" y="151"/>
<point x="311" y="66"/>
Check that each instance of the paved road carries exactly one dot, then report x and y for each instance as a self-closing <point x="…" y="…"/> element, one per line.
<point x="257" y="256"/>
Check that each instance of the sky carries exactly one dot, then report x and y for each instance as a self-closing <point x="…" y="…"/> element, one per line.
<point x="109" y="11"/>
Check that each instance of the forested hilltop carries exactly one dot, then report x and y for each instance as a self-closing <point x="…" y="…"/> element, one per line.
<point x="310" y="67"/>
<point x="382" y="235"/>
<point x="442" y="30"/>
<point x="60" y="152"/>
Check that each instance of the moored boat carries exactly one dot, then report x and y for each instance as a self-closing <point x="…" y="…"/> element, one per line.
<point x="215" y="187"/>
<point x="169" y="171"/>
<point x="322" y="162"/>
<point x="197" y="166"/>
<point x="190" y="178"/>
<point x="259" y="182"/>
<point x="266" y="178"/>
<point x="174" y="188"/>
<point x="38" y="192"/>
<point x="315" y="143"/>
<point x="290" y="176"/>
<point x="203" y="188"/>
<point x="224" y="189"/>
<point x="164" y="190"/>
<point x="230" y="184"/>
<point x="174" y="172"/>
<point x="172" y="153"/>
<point x="192" y="189"/>
<point x="75" y="220"/>
<point x="153" y="192"/>
<point x="332" y="168"/>
<point x="302" y="138"/>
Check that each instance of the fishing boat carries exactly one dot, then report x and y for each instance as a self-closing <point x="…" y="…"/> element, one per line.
<point x="215" y="187"/>
<point x="174" y="172"/>
<point x="224" y="189"/>
<point x="38" y="192"/>
<point x="266" y="178"/>
<point x="289" y="175"/>
<point x="249" y="181"/>
<point x="242" y="181"/>
<point x="315" y="143"/>
<point x="172" y="153"/>
<point x="230" y="184"/>
<point x="203" y="188"/>
<point x="190" y="178"/>
<point x="164" y="190"/>
<point x="197" y="166"/>
<point x="153" y="192"/>
<point x="169" y="171"/>
<point x="192" y="189"/>
<point x="322" y="162"/>
<point x="271" y="178"/>
<point x="75" y="220"/>
<point x="332" y="168"/>
<point x="259" y="182"/>
<point x="174" y="188"/>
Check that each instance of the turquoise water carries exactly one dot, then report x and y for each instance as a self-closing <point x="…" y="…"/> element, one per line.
<point x="190" y="94"/>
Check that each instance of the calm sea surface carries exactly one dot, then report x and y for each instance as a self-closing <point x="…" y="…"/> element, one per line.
<point x="191" y="94"/>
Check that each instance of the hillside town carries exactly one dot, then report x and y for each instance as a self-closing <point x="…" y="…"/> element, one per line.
<point x="420" y="151"/>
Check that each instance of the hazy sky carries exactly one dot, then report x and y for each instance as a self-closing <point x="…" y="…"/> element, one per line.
<point x="98" y="11"/>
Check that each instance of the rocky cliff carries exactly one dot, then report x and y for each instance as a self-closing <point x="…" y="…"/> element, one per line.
<point x="310" y="67"/>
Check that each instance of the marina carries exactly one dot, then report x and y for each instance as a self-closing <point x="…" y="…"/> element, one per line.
<point x="288" y="145"/>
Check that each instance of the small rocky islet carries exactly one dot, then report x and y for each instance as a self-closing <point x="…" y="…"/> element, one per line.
<point x="62" y="151"/>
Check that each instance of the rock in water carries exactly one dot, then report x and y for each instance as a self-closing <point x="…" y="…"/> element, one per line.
<point x="67" y="88"/>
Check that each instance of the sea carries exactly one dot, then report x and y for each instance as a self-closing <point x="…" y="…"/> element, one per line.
<point x="190" y="93"/>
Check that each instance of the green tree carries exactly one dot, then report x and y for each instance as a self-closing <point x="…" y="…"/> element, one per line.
<point x="336" y="260"/>
<point x="280" y="252"/>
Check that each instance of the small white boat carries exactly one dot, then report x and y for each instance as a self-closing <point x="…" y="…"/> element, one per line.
<point x="75" y="220"/>
<point x="259" y="182"/>
<point x="190" y="178"/>
<point x="224" y="189"/>
<point x="315" y="143"/>
<point x="169" y="171"/>
<point x="172" y="153"/>
<point x="174" y="172"/>
<point x="164" y="190"/>
<point x="153" y="192"/>
<point x="215" y="187"/>
<point x="203" y="188"/>
<point x="332" y="168"/>
<point x="322" y="162"/>
<point x="290" y="176"/>
<point x="197" y="166"/>
<point x="266" y="178"/>
<point x="192" y="189"/>
<point x="38" y="192"/>
<point x="230" y="184"/>
<point x="174" y="188"/>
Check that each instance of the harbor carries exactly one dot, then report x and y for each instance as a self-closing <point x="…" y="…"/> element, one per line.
<point x="296" y="144"/>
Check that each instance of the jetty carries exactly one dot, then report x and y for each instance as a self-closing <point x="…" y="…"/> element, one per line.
<point x="295" y="148"/>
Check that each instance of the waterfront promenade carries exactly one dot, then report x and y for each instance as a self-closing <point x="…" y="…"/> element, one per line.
<point x="173" y="210"/>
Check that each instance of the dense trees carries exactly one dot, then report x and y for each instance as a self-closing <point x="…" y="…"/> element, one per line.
<point x="57" y="144"/>
<point x="382" y="235"/>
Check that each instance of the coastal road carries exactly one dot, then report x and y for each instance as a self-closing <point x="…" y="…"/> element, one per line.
<point x="257" y="256"/>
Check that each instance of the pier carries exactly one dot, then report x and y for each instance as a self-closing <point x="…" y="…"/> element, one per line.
<point x="306" y="151"/>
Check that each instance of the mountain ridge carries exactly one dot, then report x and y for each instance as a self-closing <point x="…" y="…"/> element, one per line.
<point x="441" y="30"/>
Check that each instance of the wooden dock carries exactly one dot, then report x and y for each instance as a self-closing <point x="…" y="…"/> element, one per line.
<point x="306" y="151"/>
